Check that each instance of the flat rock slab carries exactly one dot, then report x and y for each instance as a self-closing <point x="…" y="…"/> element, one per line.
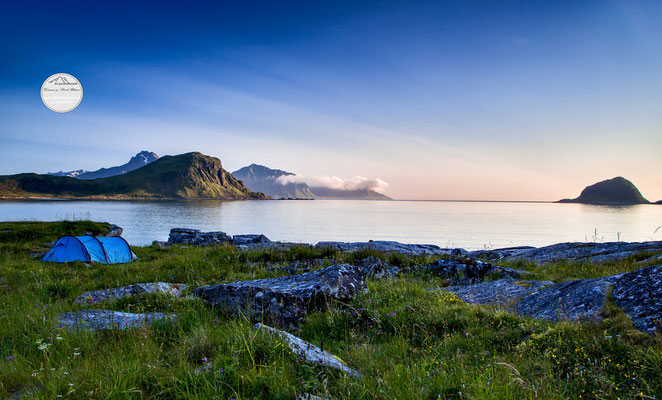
<point x="309" y="352"/>
<point x="500" y="292"/>
<point x="249" y="239"/>
<point x="389" y="246"/>
<point x="105" y="319"/>
<point x="197" y="238"/>
<point x="580" y="299"/>
<point x="639" y="294"/>
<point x="285" y="300"/>
<point x="98" y="296"/>
<point x="596" y="252"/>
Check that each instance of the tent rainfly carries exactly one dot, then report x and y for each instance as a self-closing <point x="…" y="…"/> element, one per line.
<point x="104" y="250"/>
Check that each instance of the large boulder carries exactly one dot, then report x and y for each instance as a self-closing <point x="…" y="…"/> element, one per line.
<point x="97" y="296"/>
<point x="239" y="240"/>
<point x="501" y="292"/>
<point x="308" y="351"/>
<point x="467" y="271"/>
<point x="639" y="294"/>
<point x="114" y="230"/>
<point x="595" y="252"/>
<point x="105" y="319"/>
<point x="286" y="300"/>
<point x="573" y="300"/>
<point x="197" y="238"/>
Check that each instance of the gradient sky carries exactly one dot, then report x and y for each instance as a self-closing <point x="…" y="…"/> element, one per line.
<point x="499" y="100"/>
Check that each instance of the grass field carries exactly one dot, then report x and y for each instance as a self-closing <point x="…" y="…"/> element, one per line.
<point x="409" y="343"/>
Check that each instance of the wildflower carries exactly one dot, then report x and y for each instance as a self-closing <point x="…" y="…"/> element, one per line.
<point x="43" y="346"/>
<point x="204" y="359"/>
<point x="35" y="374"/>
<point x="76" y="354"/>
<point x="58" y="337"/>
<point x="10" y="358"/>
<point x="214" y="322"/>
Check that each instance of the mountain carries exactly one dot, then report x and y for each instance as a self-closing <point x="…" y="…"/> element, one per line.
<point x="72" y="174"/>
<point x="185" y="176"/>
<point x="139" y="160"/>
<point x="262" y="179"/>
<point x="616" y="191"/>
<point x="322" y="192"/>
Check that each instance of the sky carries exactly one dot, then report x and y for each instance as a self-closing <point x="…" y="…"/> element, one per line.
<point x="473" y="100"/>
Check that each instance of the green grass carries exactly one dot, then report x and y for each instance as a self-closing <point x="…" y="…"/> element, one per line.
<point x="409" y="343"/>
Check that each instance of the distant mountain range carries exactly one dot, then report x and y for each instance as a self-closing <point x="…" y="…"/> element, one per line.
<point x="262" y="179"/>
<point x="615" y="191"/>
<point x="266" y="180"/>
<point x="139" y="160"/>
<point x="185" y="176"/>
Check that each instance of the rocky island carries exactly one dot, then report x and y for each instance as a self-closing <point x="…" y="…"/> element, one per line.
<point x="615" y="191"/>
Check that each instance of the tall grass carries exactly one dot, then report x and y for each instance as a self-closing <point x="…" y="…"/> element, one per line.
<point x="408" y="342"/>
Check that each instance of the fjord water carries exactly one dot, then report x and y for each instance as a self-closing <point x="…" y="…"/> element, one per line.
<point x="471" y="225"/>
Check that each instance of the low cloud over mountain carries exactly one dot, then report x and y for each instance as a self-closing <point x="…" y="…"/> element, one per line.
<point x="337" y="183"/>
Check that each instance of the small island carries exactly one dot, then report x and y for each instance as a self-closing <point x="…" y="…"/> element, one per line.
<point x="615" y="191"/>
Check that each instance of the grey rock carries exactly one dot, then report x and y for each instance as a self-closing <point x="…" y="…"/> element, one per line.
<point x="105" y="319"/>
<point x="500" y="292"/>
<point x="114" y="231"/>
<point x="160" y="244"/>
<point x="388" y="246"/>
<point x="375" y="268"/>
<point x="97" y="296"/>
<point x="285" y="300"/>
<point x="309" y="352"/>
<point x="308" y="396"/>
<point x="249" y="239"/>
<point x="197" y="238"/>
<point x="469" y="271"/>
<point x="300" y="266"/>
<point x="639" y="294"/>
<point x="573" y="300"/>
<point x="596" y="252"/>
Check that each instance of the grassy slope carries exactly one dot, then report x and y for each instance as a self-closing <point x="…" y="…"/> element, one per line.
<point x="186" y="176"/>
<point x="408" y="342"/>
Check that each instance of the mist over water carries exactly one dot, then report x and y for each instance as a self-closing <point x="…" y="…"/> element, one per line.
<point x="471" y="225"/>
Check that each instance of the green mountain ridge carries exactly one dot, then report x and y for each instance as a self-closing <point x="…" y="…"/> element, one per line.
<point x="185" y="176"/>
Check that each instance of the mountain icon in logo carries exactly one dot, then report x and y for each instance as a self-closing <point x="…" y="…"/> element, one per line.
<point x="61" y="80"/>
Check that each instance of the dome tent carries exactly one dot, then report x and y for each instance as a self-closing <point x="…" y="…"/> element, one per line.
<point x="105" y="250"/>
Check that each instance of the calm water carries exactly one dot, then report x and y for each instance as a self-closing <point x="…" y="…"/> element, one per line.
<point x="471" y="225"/>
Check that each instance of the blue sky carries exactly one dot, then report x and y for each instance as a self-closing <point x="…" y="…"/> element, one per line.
<point x="507" y="100"/>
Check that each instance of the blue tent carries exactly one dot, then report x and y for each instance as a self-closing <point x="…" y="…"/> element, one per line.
<point x="105" y="250"/>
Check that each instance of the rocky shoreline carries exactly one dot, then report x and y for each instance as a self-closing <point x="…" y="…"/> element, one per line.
<point x="472" y="276"/>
